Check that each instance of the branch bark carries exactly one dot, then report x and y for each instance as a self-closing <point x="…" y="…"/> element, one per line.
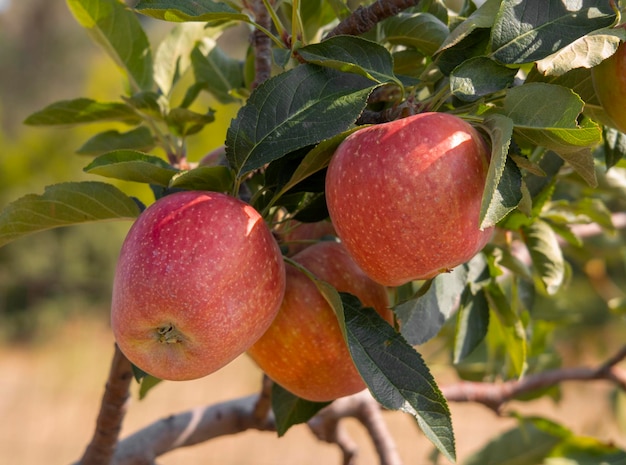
<point x="238" y="415"/>
<point x="362" y="406"/>
<point x="364" y="19"/>
<point x="495" y="395"/>
<point x="189" y="428"/>
<point x="263" y="405"/>
<point x="112" y="411"/>
<point x="261" y="42"/>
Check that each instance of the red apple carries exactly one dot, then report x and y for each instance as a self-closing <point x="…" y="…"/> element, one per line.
<point x="297" y="236"/>
<point x="609" y="82"/>
<point x="405" y="196"/>
<point x="199" y="279"/>
<point x="304" y="350"/>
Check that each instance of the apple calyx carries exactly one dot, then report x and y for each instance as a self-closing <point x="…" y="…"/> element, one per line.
<point x="168" y="334"/>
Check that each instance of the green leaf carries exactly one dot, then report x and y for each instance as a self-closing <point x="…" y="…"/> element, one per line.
<point x="396" y="374"/>
<point x="316" y="160"/>
<point x="614" y="146"/>
<point x="129" y="165"/>
<point x="510" y="328"/>
<point x="475" y="45"/>
<point x="340" y="8"/>
<point x="290" y="409"/>
<point x="579" y="450"/>
<point x="146" y="383"/>
<point x="185" y="122"/>
<point x="577" y="79"/>
<point x="580" y="81"/>
<point x="149" y="103"/>
<point x="352" y="55"/>
<point x="136" y="139"/>
<point x="313" y="15"/>
<point x="119" y="32"/>
<point x="542" y="187"/>
<point x="584" y="211"/>
<point x="505" y="257"/>
<point x="472" y="324"/>
<point x="297" y="108"/>
<point x="528" y="31"/>
<point x="527" y="444"/>
<point x="64" y="205"/>
<point x="206" y="178"/>
<point x="422" y="31"/>
<point x="215" y="71"/>
<point x="82" y="110"/>
<point x="408" y="65"/>
<point x="198" y="10"/>
<point x="546" y="254"/>
<point x="547" y="115"/>
<point x="583" y="163"/>
<point x="526" y="164"/>
<point x="586" y="52"/>
<point x="439" y="9"/>
<point x="480" y="76"/>
<point x="171" y="59"/>
<point x="423" y="316"/>
<point x="482" y="18"/>
<point x="504" y="180"/>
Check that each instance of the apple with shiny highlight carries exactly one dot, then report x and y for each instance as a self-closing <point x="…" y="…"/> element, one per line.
<point x="199" y="279"/>
<point x="405" y="196"/>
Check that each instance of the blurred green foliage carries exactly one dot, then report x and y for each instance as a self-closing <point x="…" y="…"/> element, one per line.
<point x="48" y="277"/>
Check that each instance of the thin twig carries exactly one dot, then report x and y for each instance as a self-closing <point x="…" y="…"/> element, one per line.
<point x="364" y="19"/>
<point x="112" y="410"/>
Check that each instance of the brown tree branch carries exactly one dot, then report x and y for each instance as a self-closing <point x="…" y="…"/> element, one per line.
<point x="112" y="410"/>
<point x="190" y="428"/>
<point x="238" y="415"/>
<point x="363" y="407"/>
<point x="365" y="18"/>
<point x="329" y="429"/>
<point x="495" y="395"/>
<point x="231" y="417"/>
<point x="261" y="42"/>
<point x="264" y="402"/>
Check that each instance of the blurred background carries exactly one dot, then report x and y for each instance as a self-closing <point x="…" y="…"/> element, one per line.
<point x="55" y="342"/>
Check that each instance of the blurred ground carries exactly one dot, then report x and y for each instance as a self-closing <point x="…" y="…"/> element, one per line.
<point x="50" y="395"/>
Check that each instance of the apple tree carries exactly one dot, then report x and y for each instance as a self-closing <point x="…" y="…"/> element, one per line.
<point x="407" y="91"/>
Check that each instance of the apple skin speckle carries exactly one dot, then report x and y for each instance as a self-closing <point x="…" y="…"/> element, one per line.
<point x="404" y="197"/>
